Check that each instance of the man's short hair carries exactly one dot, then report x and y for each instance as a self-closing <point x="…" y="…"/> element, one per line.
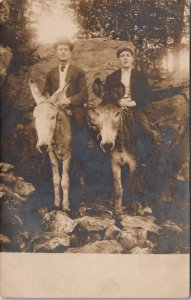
<point x="64" y="41"/>
<point x="120" y="50"/>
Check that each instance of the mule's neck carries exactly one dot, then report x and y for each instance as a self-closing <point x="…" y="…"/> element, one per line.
<point x="63" y="134"/>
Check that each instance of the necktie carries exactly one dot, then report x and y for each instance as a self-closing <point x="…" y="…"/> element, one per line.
<point x="62" y="69"/>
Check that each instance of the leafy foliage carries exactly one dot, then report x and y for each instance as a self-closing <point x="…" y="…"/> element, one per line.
<point x="17" y="34"/>
<point x="153" y="26"/>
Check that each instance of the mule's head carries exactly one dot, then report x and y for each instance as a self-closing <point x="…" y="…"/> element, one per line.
<point x="45" y="115"/>
<point x="105" y="119"/>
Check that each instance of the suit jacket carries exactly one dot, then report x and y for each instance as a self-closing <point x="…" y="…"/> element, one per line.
<point x="140" y="90"/>
<point x="77" y="90"/>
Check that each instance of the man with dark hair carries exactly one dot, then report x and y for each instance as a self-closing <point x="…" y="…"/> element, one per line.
<point x="137" y="97"/>
<point x="77" y="92"/>
<point x="76" y="95"/>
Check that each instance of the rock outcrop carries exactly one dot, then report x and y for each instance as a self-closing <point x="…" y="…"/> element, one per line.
<point x="6" y="54"/>
<point x="99" y="247"/>
<point x="6" y="57"/>
<point x="14" y="192"/>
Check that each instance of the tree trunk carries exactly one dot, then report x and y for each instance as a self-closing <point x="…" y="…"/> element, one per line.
<point x="178" y="34"/>
<point x="176" y="59"/>
<point x="166" y="58"/>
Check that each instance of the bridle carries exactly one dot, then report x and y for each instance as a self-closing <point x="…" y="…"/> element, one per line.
<point x="58" y="109"/>
<point x="123" y="112"/>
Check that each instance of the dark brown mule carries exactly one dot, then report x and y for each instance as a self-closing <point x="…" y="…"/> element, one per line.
<point x="115" y="128"/>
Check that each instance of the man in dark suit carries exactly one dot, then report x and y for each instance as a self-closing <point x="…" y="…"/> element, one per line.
<point x="76" y="95"/>
<point x="138" y="93"/>
<point x="77" y="92"/>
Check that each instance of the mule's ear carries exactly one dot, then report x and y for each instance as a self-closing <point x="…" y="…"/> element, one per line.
<point x="118" y="91"/>
<point x="37" y="95"/>
<point x="54" y="97"/>
<point x="60" y="92"/>
<point x="98" y="88"/>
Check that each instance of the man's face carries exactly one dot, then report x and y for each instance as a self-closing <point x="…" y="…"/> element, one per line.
<point x="126" y="59"/>
<point x="63" y="53"/>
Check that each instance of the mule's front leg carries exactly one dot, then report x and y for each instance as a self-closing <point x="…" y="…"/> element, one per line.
<point x="116" y="168"/>
<point x="56" y="179"/>
<point x="66" y="183"/>
<point x="132" y="169"/>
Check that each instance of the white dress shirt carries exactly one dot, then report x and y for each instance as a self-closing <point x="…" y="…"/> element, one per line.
<point x="62" y="75"/>
<point x="125" y="79"/>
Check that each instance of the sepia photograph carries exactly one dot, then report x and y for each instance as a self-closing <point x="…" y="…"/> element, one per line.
<point x="95" y="127"/>
<point x="95" y="116"/>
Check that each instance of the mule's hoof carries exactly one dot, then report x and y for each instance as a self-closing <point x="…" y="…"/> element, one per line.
<point x="118" y="218"/>
<point x="66" y="209"/>
<point x="118" y="213"/>
<point x="82" y="181"/>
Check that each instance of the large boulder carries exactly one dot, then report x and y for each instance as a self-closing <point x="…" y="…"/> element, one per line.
<point x="172" y="226"/>
<point x="175" y="84"/>
<point x="80" y="238"/>
<point x="112" y="233"/>
<point x="51" y="241"/>
<point x="58" y="221"/>
<point x="14" y="190"/>
<point x="94" y="223"/>
<point x="94" y="210"/>
<point x="177" y="79"/>
<point x="169" y="112"/>
<point x="4" y="11"/>
<point x="14" y="193"/>
<point x="43" y="241"/>
<point x="4" y="239"/>
<point x="139" y="250"/>
<point x="98" y="247"/>
<point x="6" y="57"/>
<point x="146" y="223"/>
<point x="131" y="237"/>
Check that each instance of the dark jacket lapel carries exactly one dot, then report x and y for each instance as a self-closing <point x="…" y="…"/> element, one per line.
<point x="117" y="77"/>
<point x="55" y="79"/>
<point x="132" y="82"/>
<point x="69" y="73"/>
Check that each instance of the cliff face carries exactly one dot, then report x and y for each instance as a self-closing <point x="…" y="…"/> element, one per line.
<point x="6" y="57"/>
<point x="4" y="11"/>
<point x="5" y="52"/>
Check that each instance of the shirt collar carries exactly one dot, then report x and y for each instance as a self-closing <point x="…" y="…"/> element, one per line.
<point x="127" y="71"/>
<point x="65" y="68"/>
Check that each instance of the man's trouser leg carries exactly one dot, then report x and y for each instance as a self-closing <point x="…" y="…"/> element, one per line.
<point x="79" y="144"/>
<point x="142" y="125"/>
<point x="144" y="137"/>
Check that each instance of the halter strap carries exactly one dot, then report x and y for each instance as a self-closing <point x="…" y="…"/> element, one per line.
<point x="53" y="104"/>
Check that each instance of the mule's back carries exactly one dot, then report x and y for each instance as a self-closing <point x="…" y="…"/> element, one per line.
<point x="126" y="134"/>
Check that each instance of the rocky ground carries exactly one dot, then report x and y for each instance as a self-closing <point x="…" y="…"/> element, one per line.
<point x="157" y="222"/>
<point x="30" y="225"/>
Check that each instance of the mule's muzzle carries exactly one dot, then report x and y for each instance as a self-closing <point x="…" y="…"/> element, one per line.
<point x="107" y="147"/>
<point x="42" y="148"/>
